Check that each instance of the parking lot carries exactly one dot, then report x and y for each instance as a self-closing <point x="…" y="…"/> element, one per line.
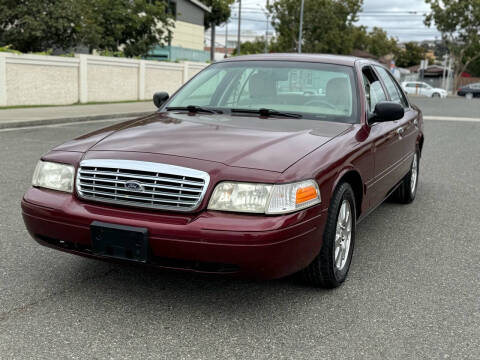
<point x="413" y="290"/>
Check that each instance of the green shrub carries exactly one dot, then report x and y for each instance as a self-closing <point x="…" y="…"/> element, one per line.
<point x="8" y="49"/>
<point x="46" y="52"/>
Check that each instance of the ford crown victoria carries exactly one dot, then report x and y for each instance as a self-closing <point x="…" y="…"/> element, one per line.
<point x="259" y="166"/>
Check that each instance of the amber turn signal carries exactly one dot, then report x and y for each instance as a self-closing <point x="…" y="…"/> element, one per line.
<point x="306" y="194"/>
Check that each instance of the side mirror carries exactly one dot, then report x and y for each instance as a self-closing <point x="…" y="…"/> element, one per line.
<point x="159" y="98"/>
<point x="386" y="111"/>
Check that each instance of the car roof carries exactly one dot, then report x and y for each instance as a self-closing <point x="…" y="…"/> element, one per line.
<point x="320" y="58"/>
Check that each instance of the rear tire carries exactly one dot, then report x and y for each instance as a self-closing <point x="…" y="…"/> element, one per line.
<point x="406" y="192"/>
<point x="330" y="268"/>
<point x="435" y="95"/>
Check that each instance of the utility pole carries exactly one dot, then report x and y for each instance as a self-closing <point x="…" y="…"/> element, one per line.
<point x="266" y="31"/>
<point x="300" y="35"/>
<point x="449" y="72"/>
<point x="212" y="42"/>
<point x="226" y="39"/>
<point x="445" y="59"/>
<point x="239" y="25"/>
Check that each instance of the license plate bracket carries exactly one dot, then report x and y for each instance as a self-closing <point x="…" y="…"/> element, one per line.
<point x="119" y="241"/>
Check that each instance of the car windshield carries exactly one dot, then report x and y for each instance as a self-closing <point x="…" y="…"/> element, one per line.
<point x="308" y="90"/>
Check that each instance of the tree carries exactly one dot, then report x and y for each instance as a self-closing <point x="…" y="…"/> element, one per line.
<point x="328" y="25"/>
<point x="133" y="26"/>
<point x="256" y="46"/>
<point x="220" y="13"/>
<point x="375" y="42"/>
<point x="37" y="25"/>
<point x="379" y="44"/>
<point x="459" y="23"/>
<point x="410" y="56"/>
<point x="474" y="68"/>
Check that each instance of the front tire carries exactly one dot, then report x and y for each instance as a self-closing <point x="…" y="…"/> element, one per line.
<point x="436" y="95"/>
<point x="469" y="96"/>
<point x="330" y="268"/>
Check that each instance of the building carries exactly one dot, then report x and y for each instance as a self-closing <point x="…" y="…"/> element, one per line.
<point x="187" y="39"/>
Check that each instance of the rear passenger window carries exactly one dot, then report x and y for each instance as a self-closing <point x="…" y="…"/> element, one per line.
<point x="393" y="89"/>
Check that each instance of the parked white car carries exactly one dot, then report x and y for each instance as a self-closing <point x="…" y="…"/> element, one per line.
<point x="423" y="89"/>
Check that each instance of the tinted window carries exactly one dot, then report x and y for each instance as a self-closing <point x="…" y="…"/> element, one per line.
<point x="313" y="90"/>
<point x="393" y="89"/>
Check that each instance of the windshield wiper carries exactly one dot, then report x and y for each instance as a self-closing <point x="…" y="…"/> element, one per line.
<point x="267" y="112"/>
<point x="195" y="109"/>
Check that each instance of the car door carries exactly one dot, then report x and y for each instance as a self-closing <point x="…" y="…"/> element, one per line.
<point x="382" y="139"/>
<point x="401" y="135"/>
<point x="410" y="88"/>
<point x="476" y="89"/>
<point x="416" y="88"/>
<point x="428" y="90"/>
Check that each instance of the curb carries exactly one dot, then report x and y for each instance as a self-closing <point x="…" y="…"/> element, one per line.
<point x="66" y="120"/>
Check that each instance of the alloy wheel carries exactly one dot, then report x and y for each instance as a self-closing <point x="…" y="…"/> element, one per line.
<point x="343" y="235"/>
<point x="414" y="176"/>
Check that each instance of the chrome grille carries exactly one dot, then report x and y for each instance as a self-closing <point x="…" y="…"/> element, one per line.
<point x="141" y="184"/>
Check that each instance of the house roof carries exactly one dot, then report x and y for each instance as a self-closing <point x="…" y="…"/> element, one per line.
<point x="201" y="5"/>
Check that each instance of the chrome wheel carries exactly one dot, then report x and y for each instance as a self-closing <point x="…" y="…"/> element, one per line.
<point x="343" y="235"/>
<point x="414" y="176"/>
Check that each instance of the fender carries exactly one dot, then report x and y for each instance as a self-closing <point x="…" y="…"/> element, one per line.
<point x="358" y="186"/>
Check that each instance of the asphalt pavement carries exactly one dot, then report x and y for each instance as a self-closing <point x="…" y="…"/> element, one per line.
<point x="47" y="115"/>
<point x="412" y="293"/>
<point x="453" y="106"/>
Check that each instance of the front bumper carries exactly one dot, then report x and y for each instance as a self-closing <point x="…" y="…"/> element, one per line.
<point x="261" y="247"/>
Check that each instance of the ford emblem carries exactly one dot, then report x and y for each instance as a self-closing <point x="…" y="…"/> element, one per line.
<point x="133" y="186"/>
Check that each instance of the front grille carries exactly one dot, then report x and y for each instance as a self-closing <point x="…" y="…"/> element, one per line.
<point x="141" y="184"/>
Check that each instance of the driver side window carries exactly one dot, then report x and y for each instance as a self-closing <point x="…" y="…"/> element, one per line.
<point x="373" y="88"/>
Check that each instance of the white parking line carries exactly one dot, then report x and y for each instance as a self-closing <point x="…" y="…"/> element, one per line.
<point x="451" y="118"/>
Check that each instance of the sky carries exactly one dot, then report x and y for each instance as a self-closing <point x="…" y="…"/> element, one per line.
<point x="402" y="19"/>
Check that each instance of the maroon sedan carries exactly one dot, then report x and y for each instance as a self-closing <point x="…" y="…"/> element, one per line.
<point x="259" y="166"/>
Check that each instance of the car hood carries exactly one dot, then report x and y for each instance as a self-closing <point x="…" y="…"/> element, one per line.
<point x="272" y="144"/>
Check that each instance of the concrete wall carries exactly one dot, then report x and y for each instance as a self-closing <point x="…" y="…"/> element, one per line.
<point x="54" y="80"/>
<point x="30" y="80"/>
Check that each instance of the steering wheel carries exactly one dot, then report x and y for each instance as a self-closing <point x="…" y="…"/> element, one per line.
<point x="320" y="102"/>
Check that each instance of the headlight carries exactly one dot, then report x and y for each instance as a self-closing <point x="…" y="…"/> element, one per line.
<point x="264" y="198"/>
<point x="54" y="176"/>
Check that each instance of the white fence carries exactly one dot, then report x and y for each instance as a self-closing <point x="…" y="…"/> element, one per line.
<point x="56" y="80"/>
